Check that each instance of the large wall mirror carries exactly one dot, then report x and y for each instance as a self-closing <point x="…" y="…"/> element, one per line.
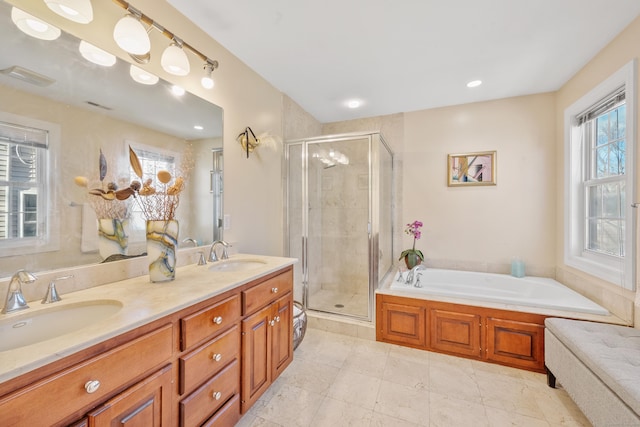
<point x="92" y="108"/>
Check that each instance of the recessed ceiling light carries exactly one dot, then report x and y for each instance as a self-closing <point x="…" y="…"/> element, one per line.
<point x="474" y="83"/>
<point x="198" y="127"/>
<point x="354" y="103"/>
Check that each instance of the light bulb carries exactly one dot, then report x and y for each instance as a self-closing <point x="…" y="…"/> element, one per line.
<point x="130" y="35"/>
<point x="206" y="81"/>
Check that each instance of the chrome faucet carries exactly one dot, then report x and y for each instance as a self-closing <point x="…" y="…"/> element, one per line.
<point x="190" y="240"/>
<point x="212" y="251"/>
<point x="412" y="272"/>
<point x="15" y="300"/>
<point x="52" y="294"/>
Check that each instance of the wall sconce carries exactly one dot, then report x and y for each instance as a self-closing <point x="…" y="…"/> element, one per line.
<point x="79" y="11"/>
<point x="32" y="26"/>
<point x="245" y="140"/>
<point x="131" y="36"/>
<point x="174" y="60"/>
<point x="142" y="76"/>
<point x="96" y="55"/>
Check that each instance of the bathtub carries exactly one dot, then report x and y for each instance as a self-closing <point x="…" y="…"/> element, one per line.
<point x="501" y="288"/>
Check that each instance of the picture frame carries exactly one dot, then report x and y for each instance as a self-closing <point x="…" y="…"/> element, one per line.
<point x="471" y="169"/>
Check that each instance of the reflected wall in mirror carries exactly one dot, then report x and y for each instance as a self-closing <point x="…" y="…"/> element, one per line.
<point x="92" y="108"/>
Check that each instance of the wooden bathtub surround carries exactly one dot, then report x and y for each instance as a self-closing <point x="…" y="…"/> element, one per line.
<point x="195" y="367"/>
<point x="505" y="337"/>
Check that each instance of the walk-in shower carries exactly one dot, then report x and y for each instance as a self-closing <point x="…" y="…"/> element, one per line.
<point x="339" y="220"/>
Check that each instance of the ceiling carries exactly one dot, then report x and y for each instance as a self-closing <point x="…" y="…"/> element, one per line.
<point x="406" y="55"/>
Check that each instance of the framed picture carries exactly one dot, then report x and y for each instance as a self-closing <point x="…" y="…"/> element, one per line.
<point x="471" y="169"/>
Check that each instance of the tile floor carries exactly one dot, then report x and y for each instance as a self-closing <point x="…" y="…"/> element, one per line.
<point x="339" y="380"/>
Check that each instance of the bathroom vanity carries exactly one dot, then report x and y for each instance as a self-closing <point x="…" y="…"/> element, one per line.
<point x="196" y="351"/>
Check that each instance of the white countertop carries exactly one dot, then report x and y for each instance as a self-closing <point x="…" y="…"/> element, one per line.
<point x="142" y="302"/>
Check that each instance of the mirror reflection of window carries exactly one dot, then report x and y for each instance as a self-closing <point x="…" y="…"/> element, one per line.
<point x="24" y="156"/>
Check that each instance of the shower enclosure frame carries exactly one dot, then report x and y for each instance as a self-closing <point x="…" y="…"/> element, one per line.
<point x="373" y="223"/>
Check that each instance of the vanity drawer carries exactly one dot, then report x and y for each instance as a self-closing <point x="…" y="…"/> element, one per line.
<point x="205" y="323"/>
<point x="208" y="359"/>
<point x="227" y="416"/>
<point x="54" y="398"/>
<point x="202" y="403"/>
<point x="266" y="292"/>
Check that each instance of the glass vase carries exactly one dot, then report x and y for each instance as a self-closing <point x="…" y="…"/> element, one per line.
<point x="162" y="243"/>
<point x="112" y="237"/>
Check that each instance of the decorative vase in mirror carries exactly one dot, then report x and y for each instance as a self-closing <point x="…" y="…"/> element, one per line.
<point x="162" y="242"/>
<point x="112" y="237"/>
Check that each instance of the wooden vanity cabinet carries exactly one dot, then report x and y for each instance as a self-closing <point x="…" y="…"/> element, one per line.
<point x="506" y="337"/>
<point x="78" y="389"/>
<point x="190" y="368"/>
<point x="209" y="372"/>
<point x="267" y="336"/>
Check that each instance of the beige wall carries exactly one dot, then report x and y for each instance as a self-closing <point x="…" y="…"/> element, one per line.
<point x="620" y="51"/>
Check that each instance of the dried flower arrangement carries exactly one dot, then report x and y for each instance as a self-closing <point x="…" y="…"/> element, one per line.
<point x="105" y="199"/>
<point x="159" y="203"/>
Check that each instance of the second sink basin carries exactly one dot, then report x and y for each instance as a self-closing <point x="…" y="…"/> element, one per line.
<point x="30" y="328"/>
<point x="236" y="265"/>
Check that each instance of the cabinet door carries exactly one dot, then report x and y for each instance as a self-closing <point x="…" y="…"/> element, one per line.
<point x="402" y="324"/>
<point x="519" y="344"/>
<point x="456" y="333"/>
<point x="282" y="336"/>
<point x="256" y="356"/>
<point x="147" y="403"/>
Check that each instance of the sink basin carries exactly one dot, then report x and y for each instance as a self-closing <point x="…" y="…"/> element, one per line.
<point x="237" y="265"/>
<point x="30" y="328"/>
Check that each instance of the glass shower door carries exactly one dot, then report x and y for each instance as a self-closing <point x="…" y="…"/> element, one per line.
<point x="338" y="224"/>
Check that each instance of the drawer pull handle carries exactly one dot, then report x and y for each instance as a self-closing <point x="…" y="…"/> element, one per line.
<point x="216" y="357"/>
<point x="92" y="386"/>
<point x="216" y="395"/>
<point x="274" y="290"/>
<point x="217" y="320"/>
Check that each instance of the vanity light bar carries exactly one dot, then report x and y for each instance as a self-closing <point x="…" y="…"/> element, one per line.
<point x="171" y="36"/>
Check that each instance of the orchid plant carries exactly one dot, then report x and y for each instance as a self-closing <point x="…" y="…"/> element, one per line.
<point x="411" y="255"/>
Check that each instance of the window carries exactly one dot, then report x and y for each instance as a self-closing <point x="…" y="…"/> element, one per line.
<point x="26" y="215"/>
<point x="600" y="179"/>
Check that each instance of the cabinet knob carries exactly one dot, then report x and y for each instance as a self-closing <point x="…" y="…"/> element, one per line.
<point x="217" y="320"/>
<point x="92" y="386"/>
<point x="274" y="290"/>
<point x="216" y="395"/>
<point x="216" y="357"/>
<point x="277" y="318"/>
<point x="272" y="322"/>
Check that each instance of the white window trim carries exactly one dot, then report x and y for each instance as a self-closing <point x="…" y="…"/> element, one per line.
<point x="617" y="272"/>
<point x="50" y="241"/>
